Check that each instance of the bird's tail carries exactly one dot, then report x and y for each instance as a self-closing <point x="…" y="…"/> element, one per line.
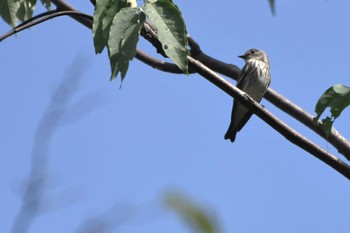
<point x="231" y="134"/>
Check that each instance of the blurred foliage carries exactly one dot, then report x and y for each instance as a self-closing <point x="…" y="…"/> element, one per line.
<point x="272" y="6"/>
<point x="193" y="214"/>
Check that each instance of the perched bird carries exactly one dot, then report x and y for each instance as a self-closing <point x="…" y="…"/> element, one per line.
<point x="254" y="80"/>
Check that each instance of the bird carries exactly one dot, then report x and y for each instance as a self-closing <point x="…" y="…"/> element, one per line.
<point x="254" y="80"/>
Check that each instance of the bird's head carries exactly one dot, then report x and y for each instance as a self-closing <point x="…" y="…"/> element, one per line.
<point x="255" y="54"/>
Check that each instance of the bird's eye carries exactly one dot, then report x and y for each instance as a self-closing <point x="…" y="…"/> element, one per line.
<point x="252" y="51"/>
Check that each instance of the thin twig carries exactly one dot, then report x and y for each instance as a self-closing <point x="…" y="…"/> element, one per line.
<point x="63" y="6"/>
<point x="36" y="17"/>
<point x="31" y="23"/>
<point x="157" y="64"/>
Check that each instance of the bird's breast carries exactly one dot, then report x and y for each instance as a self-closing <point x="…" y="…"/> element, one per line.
<point x="258" y="79"/>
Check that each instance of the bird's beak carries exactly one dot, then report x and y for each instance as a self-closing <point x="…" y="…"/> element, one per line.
<point x="242" y="56"/>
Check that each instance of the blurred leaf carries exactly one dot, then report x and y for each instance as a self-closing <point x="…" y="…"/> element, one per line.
<point x="46" y="4"/>
<point x="337" y="98"/>
<point x="168" y="20"/>
<point x="26" y="9"/>
<point x="193" y="214"/>
<point x="272" y="6"/>
<point x="123" y="38"/>
<point x="8" y="11"/>
<point x="105" y="10"/>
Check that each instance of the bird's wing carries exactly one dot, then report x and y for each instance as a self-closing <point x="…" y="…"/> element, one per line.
<point x="240" y="114"/>
<point x="244" y="117"/>
<point x="242" y="76"/>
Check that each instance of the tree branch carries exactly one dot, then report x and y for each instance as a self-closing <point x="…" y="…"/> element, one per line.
<point x="334" y="138"/>
<point x="229" y="70"/>
<point x="232" y="71"/>
<point x="226" y="69"/>
<point x="44" y="17"/>
<point x="158" y="64"/>
<point x="63" y="6"/>
<point x="270" y="119"/>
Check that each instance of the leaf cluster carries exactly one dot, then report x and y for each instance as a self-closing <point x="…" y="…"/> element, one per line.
<point x="12" y="11"/>
<point x="117" y="26"/>
<point x="193" y="214"/>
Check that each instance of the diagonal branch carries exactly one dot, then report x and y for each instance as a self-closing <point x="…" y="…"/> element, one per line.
<point x="290" y="134"/>
<point x="229" y="70"/>
<point x="232" y="71"/>
<point x="334" y="138"/>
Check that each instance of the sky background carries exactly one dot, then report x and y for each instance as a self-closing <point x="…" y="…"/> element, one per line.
<point x="117" y="152"/>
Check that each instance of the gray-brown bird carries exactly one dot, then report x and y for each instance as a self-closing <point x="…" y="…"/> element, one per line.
<point x="254" y="80"/>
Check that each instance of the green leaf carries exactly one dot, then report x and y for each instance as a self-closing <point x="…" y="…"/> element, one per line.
<point x="26" y="9"/>
<point x="337" y="98"/>
<point x="194" y="215"/>
<point x="105" y="11"/>
<point x="168" y="20"/>
<point x="123" y="37"/>
<point x="327" y="124"/>
<point x="118" y="63"/>
<point x="46" y="4"/>
<point x="8" y="11"/>
<point x="99" y="40"/>
<point x="112" y="8"/>
<point x="272" y="6"/>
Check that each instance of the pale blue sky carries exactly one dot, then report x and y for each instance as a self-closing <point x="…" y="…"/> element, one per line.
<point x="163" y="132"/>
